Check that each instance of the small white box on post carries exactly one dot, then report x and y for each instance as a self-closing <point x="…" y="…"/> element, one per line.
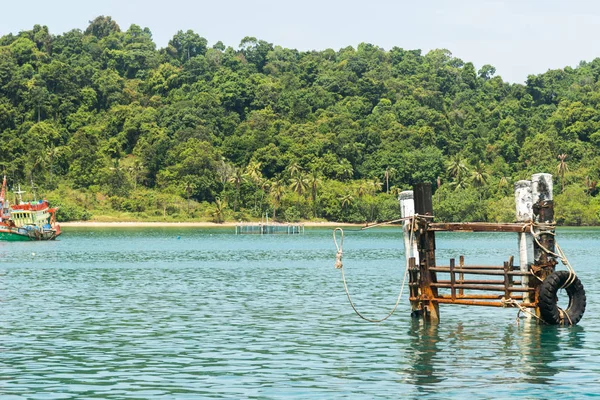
<point x="407" y="209"/>
<point x="524" y="205"/>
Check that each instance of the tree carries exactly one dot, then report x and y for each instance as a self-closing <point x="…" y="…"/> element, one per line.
<point x="294" y="169"/>
<point x="313" y="182"/>
<point x="276" y="193"/>
<point x="237" y="179"/>
<point x="561" y="169"/>
<point x="219" y="210"/>
<point x="299" y="184"/>
<point x="479" y="175"/>
<point x="346" y="200"/>
<point x="389" y="173"/>
<point x="186" y="45"/>
<point x="102" y="27"/>
<point x="457" y="168"/>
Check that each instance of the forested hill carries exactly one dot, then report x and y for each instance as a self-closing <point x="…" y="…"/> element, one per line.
<point x="106" y="124"/>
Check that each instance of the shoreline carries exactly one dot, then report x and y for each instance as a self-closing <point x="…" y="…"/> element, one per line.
<point x="99" y="224"/>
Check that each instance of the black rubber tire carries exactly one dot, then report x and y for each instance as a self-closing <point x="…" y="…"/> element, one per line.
<point x="548" y="300"/>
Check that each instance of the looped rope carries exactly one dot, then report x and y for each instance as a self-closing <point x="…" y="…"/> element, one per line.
<point x="522" y="309"/>
<point x="340" y="265"/>
<point x="338" y="256"/>
<point x="560" y="254"/>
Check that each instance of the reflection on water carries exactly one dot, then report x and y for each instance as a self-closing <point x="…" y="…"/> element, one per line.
<point x="540" y="348"/>
<point x="188" y="313"/>
<point x="423" y="368"/>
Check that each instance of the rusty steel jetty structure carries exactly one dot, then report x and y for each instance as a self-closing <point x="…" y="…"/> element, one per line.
<point x="532" y="286"/>
<point x="268" y="228"/>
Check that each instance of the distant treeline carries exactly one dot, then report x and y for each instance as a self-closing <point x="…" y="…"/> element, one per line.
<point x="105" y="124"/>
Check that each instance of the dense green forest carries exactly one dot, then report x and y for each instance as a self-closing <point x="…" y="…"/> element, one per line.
<point x="106" y="125"/>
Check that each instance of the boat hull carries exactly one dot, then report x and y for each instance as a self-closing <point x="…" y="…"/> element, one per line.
<point x="22" y="235"/>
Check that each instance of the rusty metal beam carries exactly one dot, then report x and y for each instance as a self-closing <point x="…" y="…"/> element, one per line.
<point x="475" y="227"/>
<point x="480" y="296"/>
<point x="478" y="281"/>
<point x="483" y="287"/>
<point x="480" y="303"/>
<point x="499" y="267"/>
<point x="482" y="271"/>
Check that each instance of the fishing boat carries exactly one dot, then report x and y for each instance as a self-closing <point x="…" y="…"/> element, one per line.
<point x="31" y="220"/>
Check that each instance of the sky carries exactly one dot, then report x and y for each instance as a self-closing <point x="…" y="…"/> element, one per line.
<point x="517" y="37"/>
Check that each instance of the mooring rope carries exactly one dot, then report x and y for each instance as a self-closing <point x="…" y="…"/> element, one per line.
<point x="560" y="254"/>
<point x="339" y="265"/>
<point x="522" y="309"/>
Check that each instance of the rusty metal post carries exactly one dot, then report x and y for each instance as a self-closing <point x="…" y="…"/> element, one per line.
<point x="426" y="249"/>
<point x="452" y="280"/>
<point x="413" y="281"/>
<point x="461" y="276"/>
<point x="543" y="213"/>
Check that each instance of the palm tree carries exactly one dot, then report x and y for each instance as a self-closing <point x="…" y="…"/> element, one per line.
<point x="561" y="169"/>
<point x="219" y="210"/>
<point x="456" y="167"/>
<point x="188" y="191"/>
<point x="346" y="200"/>
<point x="346" y="169"/>
<point x="459" y="183"/>
<point x="299" y="184"/>
<point x="314" y="181"/>
<point x="40" y="160"/>
<point x="51" y="153"/>
<point x="237" y="178"/>
<point x="136" y="170"/>
<point x="363" y="189"/>
<point x="253" y="171"/>
<point x="276" y="193"/>
<point x="503" y="182"/>
<point x="479" y="176"/>
<point x="264" y="185"/>
<point x="389" y="172"/>
<point x="590" y="185"/>
<point x="294" y="169"/>
<point x="375" y="185"/>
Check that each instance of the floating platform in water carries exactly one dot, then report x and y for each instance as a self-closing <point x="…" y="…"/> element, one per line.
<point x="268" y="229"/>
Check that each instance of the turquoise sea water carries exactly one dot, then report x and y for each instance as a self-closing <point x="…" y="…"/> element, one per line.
<point x="188" y="313"/>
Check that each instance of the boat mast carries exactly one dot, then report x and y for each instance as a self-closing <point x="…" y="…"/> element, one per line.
<point x="33" y="187"/>
<point x="19" y="192"/>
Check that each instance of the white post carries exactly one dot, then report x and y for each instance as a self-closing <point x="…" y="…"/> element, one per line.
<point x="407" y="209"/>
<point x="541" y="187"/>
<point x="524" y="203"/>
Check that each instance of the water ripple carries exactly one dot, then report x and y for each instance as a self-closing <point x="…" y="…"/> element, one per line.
<point x="142" y="314"/>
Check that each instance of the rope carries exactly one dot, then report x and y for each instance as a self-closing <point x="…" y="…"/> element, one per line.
<point x="560" y="255"/>
<point x="340" y="265"/>
<point x="411" y="218"/>
<point x="522" y="309"/>
<point x="564" y="314"/>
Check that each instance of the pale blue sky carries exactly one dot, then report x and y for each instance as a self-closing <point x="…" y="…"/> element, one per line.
<point x="518" y="37"/>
